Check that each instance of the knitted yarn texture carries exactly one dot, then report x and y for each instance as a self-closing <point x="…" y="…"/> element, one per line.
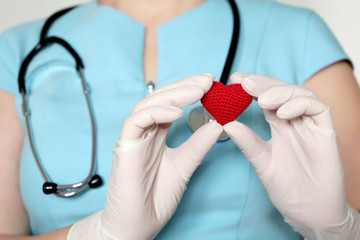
<point x="226" y="103"/>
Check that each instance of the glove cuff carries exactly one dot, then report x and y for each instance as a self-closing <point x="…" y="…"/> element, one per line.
<point x="89" y="228"/>
<point x="348" y="230"/>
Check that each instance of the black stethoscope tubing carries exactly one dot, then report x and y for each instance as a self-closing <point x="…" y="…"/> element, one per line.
<point x="234" y="42"/>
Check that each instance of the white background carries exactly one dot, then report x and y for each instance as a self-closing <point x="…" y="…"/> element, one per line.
<point x="341" y="15"/>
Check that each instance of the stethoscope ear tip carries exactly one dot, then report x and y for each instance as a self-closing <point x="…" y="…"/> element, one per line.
<point x="95" y="181"/>
<point x="49" y="188"/>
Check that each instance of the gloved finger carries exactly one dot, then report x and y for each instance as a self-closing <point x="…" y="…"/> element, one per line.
<point x="275" y="97"/>
<point x="308" y="106"/>
<point x="204" y="80"/>
<point x="137" y="123"/>
<point x="179" y="97"/>
<point x="190" y="154"/>
<point x="251" y="145"/>
<point x="238" y="77"/>
<point x="255" y="84"/>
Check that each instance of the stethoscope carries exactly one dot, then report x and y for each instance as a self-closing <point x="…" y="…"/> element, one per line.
<point x="197" y="117"/>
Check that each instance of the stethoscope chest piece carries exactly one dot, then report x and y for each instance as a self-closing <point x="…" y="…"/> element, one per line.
<point x="199" y="116"/>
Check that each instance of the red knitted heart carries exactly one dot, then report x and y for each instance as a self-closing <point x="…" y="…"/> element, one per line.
<point x="226" y="103"/>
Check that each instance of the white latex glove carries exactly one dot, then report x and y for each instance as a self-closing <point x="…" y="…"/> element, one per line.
<point x="300" y="166"/>
<point x="148" y="179"/>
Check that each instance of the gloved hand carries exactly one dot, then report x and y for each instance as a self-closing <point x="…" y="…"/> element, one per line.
<point x="148" y="179"/>
<point x="300" y="166"/>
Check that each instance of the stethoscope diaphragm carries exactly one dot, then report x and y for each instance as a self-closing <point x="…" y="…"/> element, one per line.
<point x="198" y="117"/>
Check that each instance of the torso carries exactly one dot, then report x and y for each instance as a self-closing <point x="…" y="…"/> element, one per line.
<point x="224" y="199"/>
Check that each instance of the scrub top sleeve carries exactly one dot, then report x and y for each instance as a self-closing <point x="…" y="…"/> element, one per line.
<point x="8" y="65"/>
<point x="321" y="47"/>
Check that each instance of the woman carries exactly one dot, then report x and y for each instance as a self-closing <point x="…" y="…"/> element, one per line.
<point x="224" y="199"/>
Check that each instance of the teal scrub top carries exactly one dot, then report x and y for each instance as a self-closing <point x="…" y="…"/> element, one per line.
<point x="224" y="199"/>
